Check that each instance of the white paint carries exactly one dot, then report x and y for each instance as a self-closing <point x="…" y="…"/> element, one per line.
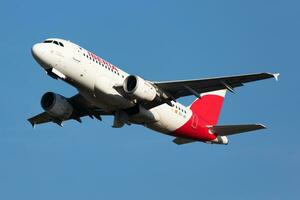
<point x="220" y="93"/>
<point x="58" y="73"/>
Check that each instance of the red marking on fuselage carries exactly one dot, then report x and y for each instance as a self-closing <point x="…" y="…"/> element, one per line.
<point x="104" y="62"/>
<point x="206" y="112"/>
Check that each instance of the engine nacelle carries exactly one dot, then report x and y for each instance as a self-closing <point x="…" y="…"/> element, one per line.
<point x="138" y="88"/>
<point x="56" y="105"/>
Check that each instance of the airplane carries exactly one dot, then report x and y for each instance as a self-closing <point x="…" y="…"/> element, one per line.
<point x="104" y="89"/>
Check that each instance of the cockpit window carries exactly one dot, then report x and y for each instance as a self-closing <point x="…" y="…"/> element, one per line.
<point x="54" y="42"/>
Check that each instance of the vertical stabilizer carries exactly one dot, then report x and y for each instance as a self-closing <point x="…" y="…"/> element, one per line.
<point x="208" y="107"/>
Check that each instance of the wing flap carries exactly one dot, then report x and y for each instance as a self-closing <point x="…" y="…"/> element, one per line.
<point x="226" y="130"/>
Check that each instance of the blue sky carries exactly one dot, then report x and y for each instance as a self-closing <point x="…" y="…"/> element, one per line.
<point x="158" y="40"/>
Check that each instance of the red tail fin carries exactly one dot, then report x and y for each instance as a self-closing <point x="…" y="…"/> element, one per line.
<point x="208" y="107"/>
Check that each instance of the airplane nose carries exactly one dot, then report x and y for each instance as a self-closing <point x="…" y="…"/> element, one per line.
<point x="37" y="51"/>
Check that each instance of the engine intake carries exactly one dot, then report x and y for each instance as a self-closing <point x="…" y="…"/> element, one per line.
<point x="56" y="105"/>
<point x="138" y="88"/>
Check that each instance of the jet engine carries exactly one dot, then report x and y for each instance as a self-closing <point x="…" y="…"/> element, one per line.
<point x="56" y="105"/>
<point x="140" y="89"/>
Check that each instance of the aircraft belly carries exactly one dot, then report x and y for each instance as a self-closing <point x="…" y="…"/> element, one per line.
<point x="169" y="119"/>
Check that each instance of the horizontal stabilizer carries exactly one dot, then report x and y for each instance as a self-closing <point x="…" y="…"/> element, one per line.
<point x="235" y="129"/>
<point x="181" y="141"/>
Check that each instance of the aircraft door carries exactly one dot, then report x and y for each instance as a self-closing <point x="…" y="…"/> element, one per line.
<point x="194" y="121"/>
<point x="80" y="66"/>
<point x="77" y="55"/>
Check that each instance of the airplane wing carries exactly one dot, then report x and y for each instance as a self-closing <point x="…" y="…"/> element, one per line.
<point x="177" y="89"/>
<point x="40" y="118"/>
<point x="81" y="108"/>
<point x="235" y="129"/>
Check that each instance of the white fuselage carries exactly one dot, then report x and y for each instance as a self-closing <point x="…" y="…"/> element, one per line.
<point x="96" y="78"/>
<point x="104" y="89"/>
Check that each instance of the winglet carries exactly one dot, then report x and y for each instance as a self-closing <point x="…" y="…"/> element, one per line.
<point x="262" y="126"/>
<point x="32" y="123"/>
<point x="276" y="76"/>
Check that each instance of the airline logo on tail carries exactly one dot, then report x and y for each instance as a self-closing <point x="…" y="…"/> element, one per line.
<point x="206" y="111"/>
